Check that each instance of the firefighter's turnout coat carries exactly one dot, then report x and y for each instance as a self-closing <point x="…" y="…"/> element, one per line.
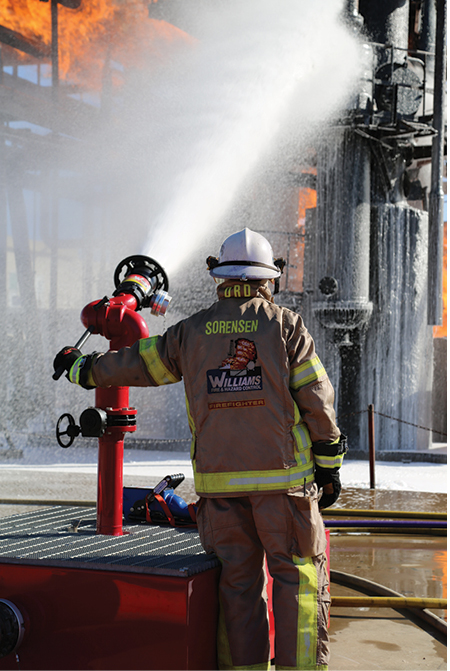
<point x="257" y="396"/>
<point x="260" y="409"/>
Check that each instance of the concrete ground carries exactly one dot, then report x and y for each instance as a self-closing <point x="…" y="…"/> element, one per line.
<point x="370" y="639"/>
<point x="362" y="639"/>
<point x="367" y="639"/>
<point x="382" y="641"/>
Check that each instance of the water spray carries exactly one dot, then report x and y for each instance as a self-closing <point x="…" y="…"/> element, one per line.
<point x="140" y="283"/>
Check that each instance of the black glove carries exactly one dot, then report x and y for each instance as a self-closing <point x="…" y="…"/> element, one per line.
<point x="325" y="476"/>
<point x="66" y="358"/>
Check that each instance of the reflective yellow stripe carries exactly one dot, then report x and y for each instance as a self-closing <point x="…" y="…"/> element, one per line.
<point x="74" y="373"/>
<point x="90" y="379"/>
<point x="252" y="481"/>
<point x="302" y="437"/>
<point x="156" y="368"/>
<point x="306" y="373"/>
<point x="329" y="462"/>
<point x="307" y="613"/>
<point x="191" y="426"/>
<point x="297" y="415"/>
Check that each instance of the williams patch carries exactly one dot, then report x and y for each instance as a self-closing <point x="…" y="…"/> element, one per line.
<point x="238" y="372"/>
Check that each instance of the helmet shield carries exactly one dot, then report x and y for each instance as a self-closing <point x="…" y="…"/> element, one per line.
<point x="246" y="255"/>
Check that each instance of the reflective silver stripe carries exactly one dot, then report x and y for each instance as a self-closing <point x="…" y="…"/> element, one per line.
<point x="306" y="373"/>
<point x="303" y="457"/>
<point x="302" y="440"/>
<point x="273" y="479"/>
<point x="306" y="440"/>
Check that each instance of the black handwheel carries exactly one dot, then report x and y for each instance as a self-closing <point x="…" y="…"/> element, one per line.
<point x="147" y="265"/>
<point x="71" y="433"/>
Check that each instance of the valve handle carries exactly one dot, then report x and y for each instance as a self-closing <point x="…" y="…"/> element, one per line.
<point x="57" y="374"/>
<point x="71" y="431"/>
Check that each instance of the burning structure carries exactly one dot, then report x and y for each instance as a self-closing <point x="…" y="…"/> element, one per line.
<point x="358" y="214"/>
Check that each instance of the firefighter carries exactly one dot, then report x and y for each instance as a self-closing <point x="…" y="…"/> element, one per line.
<point x="264" y="442"/>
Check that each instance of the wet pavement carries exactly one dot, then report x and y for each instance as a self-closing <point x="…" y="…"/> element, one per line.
<point x="366" y="639"/>
<point x="382" y="499"/>
<point x="362" y="639"/>
<point x="380" y="638"/>
<point x="375" y="640"/>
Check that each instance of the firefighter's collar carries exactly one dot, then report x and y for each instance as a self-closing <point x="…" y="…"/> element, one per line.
<point x="240" y="289"/>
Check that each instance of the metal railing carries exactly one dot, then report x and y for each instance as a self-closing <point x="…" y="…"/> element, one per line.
<point x="371" y="433"/>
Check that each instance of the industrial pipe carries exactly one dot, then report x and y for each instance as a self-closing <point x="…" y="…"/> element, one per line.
<point x="371" y="445"/>
<point x="55" y="46"/>
<point x="436" y="208"/>
<point x="119" y="323"/>
<point x="386" y="602"/>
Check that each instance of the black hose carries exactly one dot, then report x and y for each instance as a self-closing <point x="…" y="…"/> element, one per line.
<point x="417" y="615"/>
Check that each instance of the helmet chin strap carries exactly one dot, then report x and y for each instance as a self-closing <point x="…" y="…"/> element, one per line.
<point x="276" y="283"/>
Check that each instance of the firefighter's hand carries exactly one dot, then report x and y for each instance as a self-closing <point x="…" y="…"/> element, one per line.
<point x="66" y="358"/>
<point x="330" y="481"/>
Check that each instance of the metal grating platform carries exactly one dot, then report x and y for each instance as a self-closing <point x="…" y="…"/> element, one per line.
<point x="66" y="535"/>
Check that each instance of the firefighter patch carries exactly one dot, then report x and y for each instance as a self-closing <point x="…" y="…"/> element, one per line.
<point x="238" y="372"/>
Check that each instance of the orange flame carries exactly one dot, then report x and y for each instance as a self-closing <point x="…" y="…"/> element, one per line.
<point x="93" y="34"/>
<point x="307" y="199"/>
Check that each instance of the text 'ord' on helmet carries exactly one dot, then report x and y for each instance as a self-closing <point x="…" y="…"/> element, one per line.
<point x="245" y="255"/>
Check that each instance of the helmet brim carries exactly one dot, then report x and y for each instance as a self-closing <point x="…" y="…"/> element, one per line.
<point x="244" y="272"/>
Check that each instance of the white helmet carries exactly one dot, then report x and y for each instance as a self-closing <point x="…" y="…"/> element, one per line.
<point x="245" y="255"/>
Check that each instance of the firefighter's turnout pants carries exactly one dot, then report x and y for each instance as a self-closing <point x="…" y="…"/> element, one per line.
<point x="289" y="530"/>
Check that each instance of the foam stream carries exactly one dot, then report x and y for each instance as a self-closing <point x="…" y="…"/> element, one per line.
<point x="261" y="71"/>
